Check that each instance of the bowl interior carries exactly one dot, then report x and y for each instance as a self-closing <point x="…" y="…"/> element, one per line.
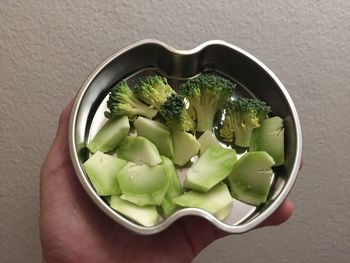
<point x="151" y="58"/>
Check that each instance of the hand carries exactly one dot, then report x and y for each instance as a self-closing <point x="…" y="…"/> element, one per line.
<point x="74" y="229"/>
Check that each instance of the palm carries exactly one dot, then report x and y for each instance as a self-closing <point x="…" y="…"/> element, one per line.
<point x="71" y="223"/>
<point x="73" y="229"/>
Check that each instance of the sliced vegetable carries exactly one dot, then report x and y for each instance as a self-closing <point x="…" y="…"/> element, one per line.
<point x="122" y="101"/>
<point x="142" y="184"/>
<point x="138" y="150"/>
<point x="185" y="147"/>
<point x="251" y="177"/>
<point x="144" y="215"/>
<point x="175" y="114"/>
<point x="212" y="167"/>
<point x="110" y="135"/>
<point x="206" y="140"/>
<point x="242" y="116"/>
<point x="138" y="177"/>
<point x="154" y="90"/>
<point x="156" y="132"/>
<point x="207" y="94"/>
<point x="102" y="170"/>
<point x="269" y="137"/>
<point x="217" y="201"/>
<point x="167" y="207"/>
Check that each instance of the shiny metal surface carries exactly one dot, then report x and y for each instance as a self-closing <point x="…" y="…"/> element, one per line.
<point x="151" y="56"/>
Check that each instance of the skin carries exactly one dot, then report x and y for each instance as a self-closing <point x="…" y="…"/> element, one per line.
<point x="73" y="229"/>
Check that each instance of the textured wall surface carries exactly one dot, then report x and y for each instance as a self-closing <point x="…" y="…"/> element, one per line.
<point x="47" y="48"/>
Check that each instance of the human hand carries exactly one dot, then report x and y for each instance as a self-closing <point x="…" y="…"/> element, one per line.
<point x="74" y="229"/>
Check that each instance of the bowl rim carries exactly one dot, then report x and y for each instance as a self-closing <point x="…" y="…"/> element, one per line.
<point x="234" y="229"/>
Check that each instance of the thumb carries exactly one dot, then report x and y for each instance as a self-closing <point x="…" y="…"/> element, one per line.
<point x="58" y="154"/>
<point x="201" y="233"/>
<point x="61" y="137"/>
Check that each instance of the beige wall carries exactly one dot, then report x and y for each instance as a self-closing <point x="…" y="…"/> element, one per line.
<point x="46" y="51"/>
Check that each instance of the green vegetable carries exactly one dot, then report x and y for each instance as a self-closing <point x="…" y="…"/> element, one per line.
<point x="251" y="177"/>
<point x="154" y="90"/>
<point x="102" y="170"/>
<point x="212" y="167"/>
<point x="167" y="207"/>
<point x="144" y="215"/>
<point x="241" y="117"/>
<point x="217" y="201"/>
<point x="122" y="101"/>
<point x="185" y="147"/>
<point x="143" y="184"/>
<point x="269" y="137"/>
<point x="138" y="178"/>
<point x="175" y="114"/>
<point x="156" y="132"/>
<point x="206" y="140"/>
<point x="138" y="150"/>
<point x="207" y="94"/>
<point x="110" y="135"/>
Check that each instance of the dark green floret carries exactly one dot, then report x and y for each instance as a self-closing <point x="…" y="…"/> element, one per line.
<point x="207" y="94"/>
<point x="122" y="101"/>
<point x="241" y="117"/>
<point x="175" y="114"/>
<point x="153" y="90"/>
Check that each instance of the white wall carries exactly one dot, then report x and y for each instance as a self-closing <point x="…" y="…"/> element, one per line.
<point x="47" y="48"/>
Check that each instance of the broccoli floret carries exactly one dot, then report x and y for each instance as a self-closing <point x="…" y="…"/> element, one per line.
<point x="207" y="94"/>
<point x="175" y="114"/>
<point x="122" y="101"/>
<point x="153" y="90"/>
<point x="241" y="117"/>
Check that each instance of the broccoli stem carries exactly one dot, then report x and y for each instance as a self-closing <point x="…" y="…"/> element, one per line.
<point x="243" y="139"/>
<point x="205" y="120"/>
<point x="146" y="111"/>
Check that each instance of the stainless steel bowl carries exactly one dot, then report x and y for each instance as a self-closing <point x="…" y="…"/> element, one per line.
<point x="150" y="56"/>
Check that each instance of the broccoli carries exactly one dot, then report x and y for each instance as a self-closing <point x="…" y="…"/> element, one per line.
<point x="175" y="114"/>
<point x="250" y="179"/>
<point x="122" y="101"/>
<point x="241" y="117"/>
<point x="153" y="90"/>
<point x="207" y="94"/>
<point x="213" y="166"/>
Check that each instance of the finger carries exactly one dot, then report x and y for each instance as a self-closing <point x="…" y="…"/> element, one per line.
<point x="282" y="214"/>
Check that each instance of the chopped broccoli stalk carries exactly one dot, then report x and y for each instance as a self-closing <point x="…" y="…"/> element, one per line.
<point x="110" y="135"/>
<point x="144" y="215"/>
<point x="206" y="140"/>
<point x="154" y="90"/>
<point x="167" y="207"/>
<point x="213" y="166"/>
<point x="175" y="114"/>
<point x="241" y="117"/>
<point x="102" y="170"/>
<point x="251" y="176"/>
<point x="269" y="137"/>
<point x="138" y="150"/>
<point x="207" y="94"/>
<point x="185" y="147"/>
<point x="217" y="201"/>
<point x="156" y="132"/>
<point x="122" y="101"/>
<point x="143" y="184"/>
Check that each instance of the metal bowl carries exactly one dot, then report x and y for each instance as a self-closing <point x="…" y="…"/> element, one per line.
<point x="150" y="56"/>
